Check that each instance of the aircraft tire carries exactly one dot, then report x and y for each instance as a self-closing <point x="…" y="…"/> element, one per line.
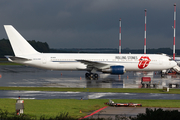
<point x="91" y="76"/>
<point x="95" y="76"/>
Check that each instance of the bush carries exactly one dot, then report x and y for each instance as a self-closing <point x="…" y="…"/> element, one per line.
<point x="158" y="114"/>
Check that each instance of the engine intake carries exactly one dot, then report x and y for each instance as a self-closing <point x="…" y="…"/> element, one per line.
<point x="117" y="70"/>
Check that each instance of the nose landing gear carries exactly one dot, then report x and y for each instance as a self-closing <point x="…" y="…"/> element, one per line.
<point x="91" y="76"/>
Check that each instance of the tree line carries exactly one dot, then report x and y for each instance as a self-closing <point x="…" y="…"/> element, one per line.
<point x="6" y="49"/>
<point x="43" y="47"/>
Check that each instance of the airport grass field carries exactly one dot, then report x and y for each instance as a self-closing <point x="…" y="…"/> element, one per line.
<point x="53" y="107"/>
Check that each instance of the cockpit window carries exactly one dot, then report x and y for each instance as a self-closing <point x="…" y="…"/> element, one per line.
<point x="170" y="59"/>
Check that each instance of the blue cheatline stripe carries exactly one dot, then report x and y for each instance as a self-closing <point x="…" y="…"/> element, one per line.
<point x="99" y="61"/>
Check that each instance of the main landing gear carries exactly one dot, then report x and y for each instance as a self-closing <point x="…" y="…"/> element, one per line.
<point x="163" y="73"/>
<point x="91" y="76"/>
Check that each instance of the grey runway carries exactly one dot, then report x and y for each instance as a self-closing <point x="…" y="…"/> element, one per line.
<point x="83" y="95"/>
<point x="24" y="76"/>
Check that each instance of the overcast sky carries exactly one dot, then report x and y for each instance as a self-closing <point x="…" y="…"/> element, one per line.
<point x="92" y="23"/>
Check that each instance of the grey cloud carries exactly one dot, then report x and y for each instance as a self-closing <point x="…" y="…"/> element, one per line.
<point x="92" y="23"/>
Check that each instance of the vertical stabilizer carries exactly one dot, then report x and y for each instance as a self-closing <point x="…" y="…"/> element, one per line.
<point x="19" y="44"/>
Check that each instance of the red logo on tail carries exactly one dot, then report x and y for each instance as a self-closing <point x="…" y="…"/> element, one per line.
<point x="143" y="62"/>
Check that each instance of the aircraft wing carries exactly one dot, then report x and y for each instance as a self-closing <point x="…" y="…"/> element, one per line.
<point x="93" y="64"/>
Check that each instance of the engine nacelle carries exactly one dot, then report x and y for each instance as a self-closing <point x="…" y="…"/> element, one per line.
<point x="118" y="70"/>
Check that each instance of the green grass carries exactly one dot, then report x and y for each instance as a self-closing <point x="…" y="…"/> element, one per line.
<point x="9" y="63"/>
<point x="4" y="61"/>
<point x="118" y="90"/>
<point x="52" y="107"/>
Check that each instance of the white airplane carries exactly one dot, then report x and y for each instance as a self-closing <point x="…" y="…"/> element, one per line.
<point x="106" y="63"/>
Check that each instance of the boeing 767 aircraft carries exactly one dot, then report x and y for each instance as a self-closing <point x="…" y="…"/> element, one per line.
<point x="105" y="63"/>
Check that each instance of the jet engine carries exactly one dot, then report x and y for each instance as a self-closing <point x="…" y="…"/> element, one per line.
<point x="117" y="70"/>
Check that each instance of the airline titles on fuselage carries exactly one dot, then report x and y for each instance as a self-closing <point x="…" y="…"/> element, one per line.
<point x="126" y="57"/>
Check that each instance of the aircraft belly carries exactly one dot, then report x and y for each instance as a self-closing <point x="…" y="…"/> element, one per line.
<point x="70" y="66"/>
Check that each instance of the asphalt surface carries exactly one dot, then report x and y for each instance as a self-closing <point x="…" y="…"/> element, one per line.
<point x="84" y="95"/>
<point x="118" y="112"/>
<point x="24" y="76"/>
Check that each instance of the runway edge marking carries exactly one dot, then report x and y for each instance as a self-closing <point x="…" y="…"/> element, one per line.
<point x="93" y="113"/>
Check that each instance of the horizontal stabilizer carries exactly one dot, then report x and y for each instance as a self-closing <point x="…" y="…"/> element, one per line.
<point x="13" y="58"/>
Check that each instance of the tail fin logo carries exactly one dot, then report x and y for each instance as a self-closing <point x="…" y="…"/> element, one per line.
<point x="143" y="62"/>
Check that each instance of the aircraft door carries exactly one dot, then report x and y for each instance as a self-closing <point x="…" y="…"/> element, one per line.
<point x="44" y="60"/>
<point x="161" y="61"/>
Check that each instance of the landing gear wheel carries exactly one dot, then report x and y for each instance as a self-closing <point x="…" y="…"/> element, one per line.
<point x="163" y="75"/>
<point x="87" y="75"/>
<point x="91" y="76"/>
<point x="95" y="76"/>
